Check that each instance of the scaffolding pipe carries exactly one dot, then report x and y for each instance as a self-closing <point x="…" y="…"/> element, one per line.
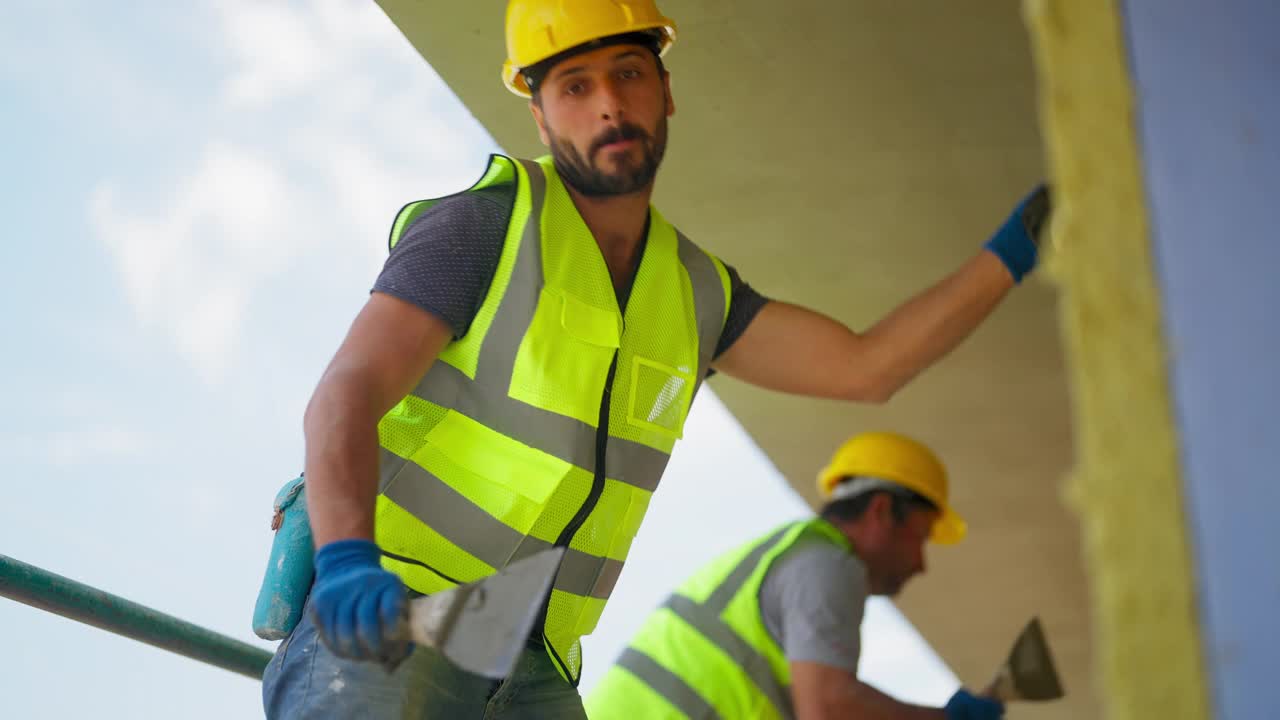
<point x="56" y="594"/>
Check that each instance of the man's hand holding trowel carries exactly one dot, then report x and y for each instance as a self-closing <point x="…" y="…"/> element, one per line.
<point x="363" y="612"/>
<point x="1027" y="674"/>
<point x="360" y="610"/>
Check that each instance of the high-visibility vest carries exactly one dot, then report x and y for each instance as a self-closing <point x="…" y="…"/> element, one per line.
<point x="706" y="653"/>
<point x="550" y="422"/>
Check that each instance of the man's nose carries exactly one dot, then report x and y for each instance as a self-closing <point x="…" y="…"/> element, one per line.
<point x="610" y="99"/>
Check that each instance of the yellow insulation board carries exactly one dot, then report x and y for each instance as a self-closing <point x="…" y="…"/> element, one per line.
<point x="1126" y="486"/>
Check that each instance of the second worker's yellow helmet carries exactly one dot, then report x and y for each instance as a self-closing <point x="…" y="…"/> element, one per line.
<point x="540" y="29"/>
<point x="902" y="461"/>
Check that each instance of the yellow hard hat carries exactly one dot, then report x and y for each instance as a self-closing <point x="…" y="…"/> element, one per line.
<point x="539" y="29"/>
<point x="902" y="461"/>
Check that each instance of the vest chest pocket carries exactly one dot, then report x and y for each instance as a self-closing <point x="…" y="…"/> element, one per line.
<point x="659" y="397"/>
<point x="509" y="480"/>
<point x="564" y="358"/>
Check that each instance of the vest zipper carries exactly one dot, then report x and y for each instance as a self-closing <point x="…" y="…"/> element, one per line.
<point x="588" y="505"/>
<point x="602" y="444"/>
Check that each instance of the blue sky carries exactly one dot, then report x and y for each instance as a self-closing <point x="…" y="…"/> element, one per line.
<point x="196" y="204"/>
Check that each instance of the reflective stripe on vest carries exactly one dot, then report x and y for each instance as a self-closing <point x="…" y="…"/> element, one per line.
<point x="493" y="454"/>
<point x="705" y="654"/>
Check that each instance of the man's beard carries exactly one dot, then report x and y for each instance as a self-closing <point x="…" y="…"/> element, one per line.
<point x="886" y="584"/>
<point x="583" y="175"/>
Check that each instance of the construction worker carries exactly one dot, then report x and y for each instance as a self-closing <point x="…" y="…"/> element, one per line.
<point x="524" y="366"/>
<point x="770" y="630"/>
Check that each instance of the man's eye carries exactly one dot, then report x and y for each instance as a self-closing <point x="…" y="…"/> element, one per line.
<point x="630" y="74"/>
<point x="574" y="89"/>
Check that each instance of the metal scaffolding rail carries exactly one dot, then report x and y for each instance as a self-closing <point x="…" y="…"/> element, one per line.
<point x="56" y="594"/>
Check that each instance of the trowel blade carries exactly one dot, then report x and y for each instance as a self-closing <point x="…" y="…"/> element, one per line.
<point x="483" y="626"/>
<point x="1029" y="672"/>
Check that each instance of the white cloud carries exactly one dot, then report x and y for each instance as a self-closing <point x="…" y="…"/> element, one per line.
<point x="283" y="49"/>
<point x="209" y="330"/>
<point x="190" y="267"/>
<point x="326" y="129"/>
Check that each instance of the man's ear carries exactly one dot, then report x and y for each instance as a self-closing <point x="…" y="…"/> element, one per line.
<point x="540" y="121"/>
<point x="881" y="508"/>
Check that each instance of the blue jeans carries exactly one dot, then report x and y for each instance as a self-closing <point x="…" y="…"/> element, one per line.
<point x="306" y="681"/>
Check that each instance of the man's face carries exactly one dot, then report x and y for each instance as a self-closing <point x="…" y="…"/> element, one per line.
<point x="604" y="115"/>
<point x="897" y="555"/>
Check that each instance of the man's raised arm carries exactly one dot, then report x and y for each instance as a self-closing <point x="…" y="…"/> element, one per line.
<point x="796" y="350"/>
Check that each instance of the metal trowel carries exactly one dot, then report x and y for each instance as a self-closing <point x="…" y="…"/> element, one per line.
<point x="483" y="626"/>
<point x="1028" y="673"/>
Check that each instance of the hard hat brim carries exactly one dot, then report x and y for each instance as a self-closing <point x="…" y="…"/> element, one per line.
<point x="514" y="80"/>
<point x="949" y="528"/>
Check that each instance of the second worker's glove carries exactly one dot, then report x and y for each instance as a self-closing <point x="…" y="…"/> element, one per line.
<point x="359" y="608"/>
<point x="1017" y="242"/>
<point x="967" y="706"/>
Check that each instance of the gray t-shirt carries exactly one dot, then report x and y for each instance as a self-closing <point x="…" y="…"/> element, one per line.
<point x="447" y="257"/>
<point x="812" y="600"/>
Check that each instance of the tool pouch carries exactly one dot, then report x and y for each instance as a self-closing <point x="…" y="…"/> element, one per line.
<point x="289" y="569"/>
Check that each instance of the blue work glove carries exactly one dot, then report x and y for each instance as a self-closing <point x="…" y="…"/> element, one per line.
<point x="1017" y="242"/>
<point x="967" y="706"/>
<point x="359" y="609"/>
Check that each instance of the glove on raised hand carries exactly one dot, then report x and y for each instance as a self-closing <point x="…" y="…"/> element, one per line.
<point x="1017" y="242"/>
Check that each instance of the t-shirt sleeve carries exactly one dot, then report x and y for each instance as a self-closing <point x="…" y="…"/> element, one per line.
<point x="744" y="303"/>
<point x="445" y="260"/>
<point x="812" y="601"/>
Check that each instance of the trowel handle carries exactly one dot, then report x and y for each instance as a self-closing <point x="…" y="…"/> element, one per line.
<point x="1001" y="686"/>
<point x="409" y="634"/>
<point x="428" y="619"/>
